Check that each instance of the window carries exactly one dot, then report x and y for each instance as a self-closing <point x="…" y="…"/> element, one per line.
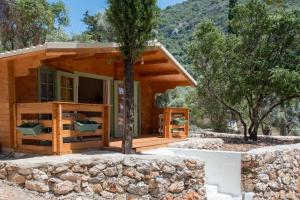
<point x="47" y="82"/>
<point x="67" y="88"/>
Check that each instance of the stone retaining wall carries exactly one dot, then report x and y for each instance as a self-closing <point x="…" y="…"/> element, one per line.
<point x="272" y="173"/>
<point x="199" y="143"/>
<point x="235" y="138"/>
<point x="110" y="177"/>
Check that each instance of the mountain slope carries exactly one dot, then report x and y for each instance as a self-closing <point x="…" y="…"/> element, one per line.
<point x="179" y="22"/>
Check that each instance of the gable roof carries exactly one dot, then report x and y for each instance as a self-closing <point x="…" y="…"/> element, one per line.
<point x="64" y="46"/>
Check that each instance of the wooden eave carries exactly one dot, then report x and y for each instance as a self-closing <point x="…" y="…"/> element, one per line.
<point x="156" y="63"/>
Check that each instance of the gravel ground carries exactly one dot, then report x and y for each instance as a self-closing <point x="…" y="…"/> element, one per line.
<point x="13" y="192"/>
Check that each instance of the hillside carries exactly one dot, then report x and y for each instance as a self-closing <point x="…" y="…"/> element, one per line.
<point x="179" y="22"/>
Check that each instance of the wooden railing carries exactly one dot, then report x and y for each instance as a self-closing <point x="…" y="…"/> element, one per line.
<point x="58" y="135"/>
<point x="171" y="130"/>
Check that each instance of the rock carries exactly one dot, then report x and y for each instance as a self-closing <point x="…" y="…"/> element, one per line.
<point x="84" y="184"/>
<point x="97" y="169"/>
<point x="130" y="162"/>
<point x="154" y="166"/>
<point x="139" y="189"/>
<point x="97" y="188"/>
<point x="191" y="164"/>
<point x="176" y="187"/>
<point x="79" y="169"/>
<point x="63" y="188"/>
<point x="133" y="173"/>
<point x="261" y="187"/>
<point x="18" y="179"/>
<point x="111" y="171"/>
<point x="37" y="186"/>
<point x="98" y="179"/>
<point x="107" y="195"/>
<point x="25" y="172"/>
<point x="60" y="169"/>
<point x="298" y="187"/>
<point x="39" y="175"/>
<point x="3" y="173"/>
<point x="168" y="169"/>
<point x="274" y="186"/>
<point x="263" y="178"/>
<point x="125" y="181"/>
<point x="70" y="176"/>
<point x="115" y="188"/>
<point x="286" y="179"/>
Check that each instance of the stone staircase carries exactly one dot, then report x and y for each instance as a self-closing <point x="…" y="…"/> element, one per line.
<point x="213" y="194"/>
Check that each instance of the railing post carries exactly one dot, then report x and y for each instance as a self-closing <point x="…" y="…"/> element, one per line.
<point x="54" y="128"/>
<point x="59" y="128"/>
<point x="105" y="126"/>
<point x="187" y="117"/>
<point x="167" y="121"/>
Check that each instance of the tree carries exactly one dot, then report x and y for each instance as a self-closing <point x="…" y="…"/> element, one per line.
<point x="98" y="27"/>
<point x="254" y="70"/>
<point x="133" y="23"/>
<point x="232" y="4"/>
<point x="287" y="118"/>
<point x="28" y="22"/>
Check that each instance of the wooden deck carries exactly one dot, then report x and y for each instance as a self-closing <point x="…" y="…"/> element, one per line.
<point x="144" y="142"/>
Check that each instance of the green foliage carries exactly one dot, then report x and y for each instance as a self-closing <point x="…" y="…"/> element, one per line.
<point x="98" y="27"/>
<point x="287" y="118"/>
<point x="255" y="70"/>
<point x="28" y="22"/>
<point x="133" y="23"/>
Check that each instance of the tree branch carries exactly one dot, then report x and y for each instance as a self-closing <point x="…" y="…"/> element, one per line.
<point x="275" y="105"/>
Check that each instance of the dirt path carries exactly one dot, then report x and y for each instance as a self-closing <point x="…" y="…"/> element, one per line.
<point x="10" y="192"/>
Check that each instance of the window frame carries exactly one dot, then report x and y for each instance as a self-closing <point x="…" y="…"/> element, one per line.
<point x="47" y="70"/>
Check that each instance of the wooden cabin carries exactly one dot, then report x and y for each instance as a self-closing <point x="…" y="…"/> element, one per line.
<point x="57" y="84"/>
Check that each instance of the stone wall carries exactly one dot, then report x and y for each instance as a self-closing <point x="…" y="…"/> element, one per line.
<point x="199" y="143"/>
<point x="109" y="177"/>
<point x="272" y="172"/>
<point x="235" y="138"/>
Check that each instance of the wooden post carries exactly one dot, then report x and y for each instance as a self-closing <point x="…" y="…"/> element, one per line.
<point x="59" y="128"/>
<point x="12" y="101"/>
<point x="105" y="125"/>
<point x="187" y="118"/>
<point x="54" y="128"/>
<point x="167" y="121"/>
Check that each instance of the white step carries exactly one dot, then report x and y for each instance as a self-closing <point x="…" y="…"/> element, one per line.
<point x="218" y="196"/>
<point x="210" y="189"/>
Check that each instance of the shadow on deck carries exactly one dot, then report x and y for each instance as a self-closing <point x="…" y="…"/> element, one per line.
<point x="143" y="142"/>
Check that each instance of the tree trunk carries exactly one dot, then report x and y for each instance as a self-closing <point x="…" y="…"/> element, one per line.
<point x="129" y="107"/>
<point x="253" y="130"/>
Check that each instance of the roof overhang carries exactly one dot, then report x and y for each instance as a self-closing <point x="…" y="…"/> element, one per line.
<point x="52" y="49"/>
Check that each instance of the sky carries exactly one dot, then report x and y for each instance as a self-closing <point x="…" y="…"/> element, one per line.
<point x="78" y="7"/>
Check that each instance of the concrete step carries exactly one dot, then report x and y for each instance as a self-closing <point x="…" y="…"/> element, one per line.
<point x="218" y="196"/>
<point x="211" y="189"/>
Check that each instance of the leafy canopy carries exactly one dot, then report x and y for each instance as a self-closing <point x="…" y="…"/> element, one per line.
<point x="254" y="70"/>
<point x="133" y="23"/>
<point x="28" y="22"/>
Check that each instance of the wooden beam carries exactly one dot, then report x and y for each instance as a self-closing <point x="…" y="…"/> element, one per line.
<point x="161" y="73"/>
<point x="152" y="62"/>
<point x="115" y="54"/>
<point x="164" y="77"/>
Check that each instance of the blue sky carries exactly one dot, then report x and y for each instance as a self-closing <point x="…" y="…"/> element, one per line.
<point x="78" y="7"/>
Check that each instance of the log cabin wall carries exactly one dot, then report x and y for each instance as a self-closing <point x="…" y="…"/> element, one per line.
<point x="27" y="87"/>
<point x="147" y="104"/>
<point x="6" y="104"/>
